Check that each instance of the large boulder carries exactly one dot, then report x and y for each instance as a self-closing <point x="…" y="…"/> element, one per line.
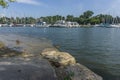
<point x="70" y="70"/>
<point x="17" y="68"/>
<point x="61" y="58"/>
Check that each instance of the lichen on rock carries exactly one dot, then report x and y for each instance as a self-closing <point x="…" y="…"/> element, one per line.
<point x="55" y="56"/>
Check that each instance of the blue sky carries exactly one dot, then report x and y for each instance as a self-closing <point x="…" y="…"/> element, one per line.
<point x="38" y="8"/>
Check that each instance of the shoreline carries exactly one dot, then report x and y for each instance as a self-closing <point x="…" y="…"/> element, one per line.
<point x="66" y="66"/>
<point x="63" y="65"/>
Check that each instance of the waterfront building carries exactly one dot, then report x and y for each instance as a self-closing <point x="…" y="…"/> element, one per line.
<point x="62" y="23"/>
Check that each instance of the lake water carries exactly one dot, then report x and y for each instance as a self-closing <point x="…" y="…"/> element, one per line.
<point x="96" y="48"/>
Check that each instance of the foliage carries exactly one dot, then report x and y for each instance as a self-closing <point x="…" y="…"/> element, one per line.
<point x="94" y="20"/>
<point x="69" y="76"/>
<point x="4" y="3"/>
<point x="70" y="18"/>
<point x="84" y="19"/>
<point x="87" y="14"/>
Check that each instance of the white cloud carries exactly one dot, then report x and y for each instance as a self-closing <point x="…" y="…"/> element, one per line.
<point x="32" y="2"/>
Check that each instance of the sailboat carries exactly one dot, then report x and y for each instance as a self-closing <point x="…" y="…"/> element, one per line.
<point x="114" y="24"/>
<point x="107" y="24"/>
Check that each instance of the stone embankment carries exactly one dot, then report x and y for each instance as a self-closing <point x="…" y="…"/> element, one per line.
<point x="50" y="64"/>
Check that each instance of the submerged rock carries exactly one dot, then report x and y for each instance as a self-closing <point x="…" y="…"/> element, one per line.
<point x="2" y="45"/>
<point x="6" y="52"/>
<point x="26" y="55"/>
<point x="59" y="58"/>
<point x="18" y="42"/>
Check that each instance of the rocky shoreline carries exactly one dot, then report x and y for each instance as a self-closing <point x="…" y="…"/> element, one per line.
<point x="50" y="64"/>
<point x="66" y="67"/>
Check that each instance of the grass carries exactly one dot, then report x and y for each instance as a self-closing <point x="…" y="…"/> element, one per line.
<point x="69" y="76"/>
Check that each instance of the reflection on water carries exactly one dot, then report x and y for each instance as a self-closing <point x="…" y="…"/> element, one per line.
<point x="97" y="48"/>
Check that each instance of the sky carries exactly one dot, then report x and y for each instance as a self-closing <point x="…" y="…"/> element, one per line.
<point x="38" y="8"/>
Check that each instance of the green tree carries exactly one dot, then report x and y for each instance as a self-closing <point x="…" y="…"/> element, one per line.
<point x="4" y="3"/>
<point x="94" y="20"/>
<point x="88" y="14"/>
<point x="85" y="17"/>
<point x="69" y="18"/>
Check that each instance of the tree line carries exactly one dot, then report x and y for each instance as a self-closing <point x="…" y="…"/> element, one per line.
<point x="85" y="18"/>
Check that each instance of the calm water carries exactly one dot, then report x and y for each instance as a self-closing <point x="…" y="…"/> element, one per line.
<point x="97" y="48"/>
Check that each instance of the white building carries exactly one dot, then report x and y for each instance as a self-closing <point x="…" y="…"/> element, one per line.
<point x="41" y="24"/>
<point x="62" y="23"/>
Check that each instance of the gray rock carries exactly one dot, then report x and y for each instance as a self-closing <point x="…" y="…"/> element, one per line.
<point x="80" y="72"/>
<point x="26" y="69"/>
<point x="76" y="72"/>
